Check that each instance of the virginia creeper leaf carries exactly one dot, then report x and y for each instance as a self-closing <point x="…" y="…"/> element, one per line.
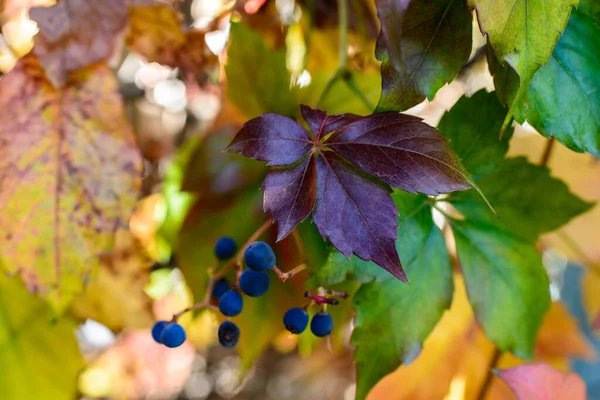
<point x="353" y="209"/>
<point x="39" y="357"/>
<point x="393" y="319"/>
<point x="529" y="201"/>
<point x="273" y="138"/>
<point x="563" y="100"/>
<point x="506" y="282"/>
<point x="523" y="33"/>
<point x="540" y="381"/>
<point x="422" y="45"/>
<point x="257" y="77"/>
<point x="402" y="151"/>
<point x="290" y="195"/>
<point x="74" y="34"/>
<point x="157" y="32"/>
<point x="69" y="174"/>
<point x="356" y="214"/>
<point x="474" y="135"/>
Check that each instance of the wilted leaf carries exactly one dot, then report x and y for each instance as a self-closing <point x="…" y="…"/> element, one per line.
<point x="422" y="45"/>
<point x="563" y="100"/>
<point x="257" y="78"/>
<point x="393" y="319"/>
<point x="472" y="127"/>
<point x="157" y="32"/>
<point x="523" y="33"/>
<point x="542" y="382"/>
<point x="528" y="200"/>
<point x="74" y="34"/>
<point x="69" y="175"/>
<point x="39" y="357"/>
<point x="116" y="297"/>
<point x="353" y="210"/>
<point x="506" y="282"/>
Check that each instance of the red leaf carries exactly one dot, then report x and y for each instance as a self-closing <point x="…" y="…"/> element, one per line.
<point x="540" y="381"/>
<point x="290" y="195"/>
<point x="402" y="151"/>
<point x="273" y="138"/>
<point x="356" y="214"/>
<point x="353" y="209"/>
<point x="75" y="34"/>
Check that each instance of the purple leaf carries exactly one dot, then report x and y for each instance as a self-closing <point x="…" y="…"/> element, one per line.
<point x="342" y="172"/>
<point x="403" y="151"/>
<point x="290" y="195"/>
<point x="273" y="138"/>
<point x="322" y="124"/>
<point x="356" y="214"/>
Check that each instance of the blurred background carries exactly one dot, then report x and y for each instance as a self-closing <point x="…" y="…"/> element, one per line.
<point x="183" y="118"/>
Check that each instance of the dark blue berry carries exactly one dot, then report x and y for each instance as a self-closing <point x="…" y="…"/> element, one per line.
<point x="225" y="248"/>
<point x="173" y="335"/>
<point x="231" y="303"/>
<point x="229" y="334"/>
<point x="157" y="330"/>
<point x="259" y="256"/>
<point x="254" y="283"/>
<point x="321" y="324"/>
<point x="220" y="287"/>
<point x="295" y="320"/>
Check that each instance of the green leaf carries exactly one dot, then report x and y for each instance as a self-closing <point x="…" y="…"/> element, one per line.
<point x="393" y="318"/>
<point x="422" y="46"/>
<point x="472" y="126"/>
<point x="523" y="34"/>
<point x="506" y="282"/>
<point x="257" y="78"/>
<point x="528" y="200"/>
<point x="39" y="357"/>
<point x="564" y="97"/>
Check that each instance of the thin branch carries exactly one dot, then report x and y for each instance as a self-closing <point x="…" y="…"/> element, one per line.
<point x="486" y="386"/>
<point x="284" y="276"/>
<point x="547" y="152"/>
<point x="194" y="307"/>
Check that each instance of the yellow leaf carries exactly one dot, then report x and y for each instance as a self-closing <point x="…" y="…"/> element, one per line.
<point x="69" y="176"/>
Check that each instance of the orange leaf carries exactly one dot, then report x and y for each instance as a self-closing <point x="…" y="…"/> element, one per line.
<point x="74" y="34"/>
<point x="69" y="175"/>
<point x="157" y="33"/>
<point x="560" y="336"/>
<point x="540" y="381"/>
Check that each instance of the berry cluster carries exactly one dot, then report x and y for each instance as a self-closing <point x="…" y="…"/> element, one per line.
<point x="253" y="281"/>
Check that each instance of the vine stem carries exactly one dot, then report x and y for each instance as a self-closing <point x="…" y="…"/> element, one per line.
<point x="547" y="152"/>
<point x="485" y="387"/>
<point x="237" y="261"/>
<point x="194" y="307"/>
<point x="284" y="276"/>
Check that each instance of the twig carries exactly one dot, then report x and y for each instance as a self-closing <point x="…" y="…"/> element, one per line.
<point x="321" y="299"/>
<point x="485" y="387"/>
<point x="284" y="276"/>
<point x="343" y="294"/>
<point x="252" y="239"/>
<point x="194" y="307"/>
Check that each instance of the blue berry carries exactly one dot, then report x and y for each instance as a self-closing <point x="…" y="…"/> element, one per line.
<point x="220" y="287"/>
<point x="157" y="330"/>
<point x="231" y="303"/>
<point x="173" y="335"/>
<point x="259" y="256"/>
<point x="295" y="320"/>
<point x="229" y="334"/>
<point x="254" y="283"/>
<point x="225" y="248"/>
<point x="321" y="324"/>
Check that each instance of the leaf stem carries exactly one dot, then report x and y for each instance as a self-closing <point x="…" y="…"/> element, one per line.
<point x="486" y="385"/>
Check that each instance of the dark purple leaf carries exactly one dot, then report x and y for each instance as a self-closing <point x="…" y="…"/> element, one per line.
<point x="356" y="214"/>
<point x="322" y="124"/>
<point x="290" y="195"/>
<point x="353" y="209"/>
<point x="402" y="151"/>
<point x="273" y="138"/>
